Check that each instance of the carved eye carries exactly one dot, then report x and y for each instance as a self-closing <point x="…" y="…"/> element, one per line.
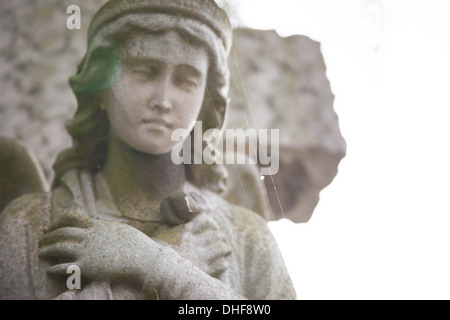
<point x="146" y="73"/>
<point x="185" y="82"/>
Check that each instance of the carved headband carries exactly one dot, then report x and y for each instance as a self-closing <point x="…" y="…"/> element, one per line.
<point x="205" y="11"/>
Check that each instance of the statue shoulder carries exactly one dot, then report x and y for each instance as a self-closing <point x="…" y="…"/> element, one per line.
<point x="31" y="209"/>
<point x="253" y="230"/>
<point x="243" y="226"/>
<point x="258" y="252"/>
<point x="243" y="218"/>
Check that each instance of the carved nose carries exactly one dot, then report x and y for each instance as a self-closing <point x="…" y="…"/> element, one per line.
<point x="163" y="106"/>
<point x="161" y="101"/>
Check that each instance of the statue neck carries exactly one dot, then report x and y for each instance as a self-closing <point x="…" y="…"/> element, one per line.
<point x="138" y="182"/>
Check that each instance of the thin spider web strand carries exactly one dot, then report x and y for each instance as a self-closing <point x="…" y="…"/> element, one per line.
<point x="252" y="117"/>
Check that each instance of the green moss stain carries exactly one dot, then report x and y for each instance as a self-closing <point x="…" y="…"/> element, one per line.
<point x="171" y="235"/>
<point x="100" y="71"/>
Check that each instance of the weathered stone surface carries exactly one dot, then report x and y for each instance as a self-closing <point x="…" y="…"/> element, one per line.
<point x="281" y="83"/>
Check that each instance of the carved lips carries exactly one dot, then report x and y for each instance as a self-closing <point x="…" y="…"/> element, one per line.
<point x="156" y="124"/>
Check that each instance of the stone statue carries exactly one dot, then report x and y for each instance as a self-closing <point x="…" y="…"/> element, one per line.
<point x="137" y="225"/>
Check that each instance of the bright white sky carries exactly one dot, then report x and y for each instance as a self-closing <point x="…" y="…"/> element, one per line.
<point x="382" y="229"/>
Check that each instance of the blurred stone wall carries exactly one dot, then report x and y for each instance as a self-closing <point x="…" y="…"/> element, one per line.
<point x="38" y="54"/>
<point x="276" y="83"/>
<point x="281" y="83"/>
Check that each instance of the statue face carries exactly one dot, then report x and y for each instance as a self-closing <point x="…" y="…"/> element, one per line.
<point x="161" y="89"/>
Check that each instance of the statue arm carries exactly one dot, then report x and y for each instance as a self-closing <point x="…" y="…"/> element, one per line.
<point x="263" y="271"/>
<point x="181" y="280"/>
<point x="112" y="252"/>
<point x="108" y="251"/>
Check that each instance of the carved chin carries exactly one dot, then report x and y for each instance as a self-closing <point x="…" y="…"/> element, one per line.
<point x="155" y="148"/>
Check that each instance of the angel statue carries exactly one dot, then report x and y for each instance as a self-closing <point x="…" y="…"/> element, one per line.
<point x="137" y="225"/>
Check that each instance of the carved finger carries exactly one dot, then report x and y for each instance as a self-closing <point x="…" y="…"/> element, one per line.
<point x="73" y="220"/>
<point x="197" y="202"/>
<point x="204" y="224"/>
<point x="60" y="250"/>
<point x="62" y="234"/>
<point x="217" y="267"/>
<point x="217" y="253"/>
<point x="59" y="269"/>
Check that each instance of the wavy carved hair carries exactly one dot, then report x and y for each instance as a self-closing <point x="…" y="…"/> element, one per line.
<point x="99" y="70"/>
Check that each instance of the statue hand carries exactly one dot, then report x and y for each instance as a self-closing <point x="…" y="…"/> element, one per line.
<point x="103" y="250"/>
